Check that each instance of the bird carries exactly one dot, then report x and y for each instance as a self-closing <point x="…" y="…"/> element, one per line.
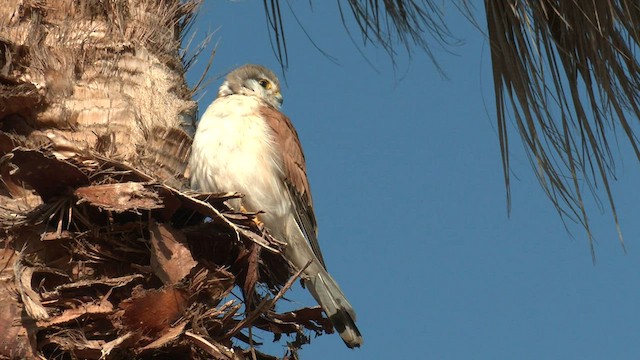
<point x="244" y="143"/>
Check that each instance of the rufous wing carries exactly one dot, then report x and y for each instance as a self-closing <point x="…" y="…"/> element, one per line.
<point x="295" y="174"/>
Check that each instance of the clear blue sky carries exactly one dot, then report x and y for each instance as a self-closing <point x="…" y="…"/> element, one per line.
<point x="407" y="182"/>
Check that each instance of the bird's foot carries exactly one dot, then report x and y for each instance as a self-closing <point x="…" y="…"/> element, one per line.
<point x="255" y="219"/>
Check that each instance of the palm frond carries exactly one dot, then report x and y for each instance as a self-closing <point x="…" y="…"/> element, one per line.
<point x="385" y="23"/>
<point x="406" y="22"/>
<point x="568" y="71"/>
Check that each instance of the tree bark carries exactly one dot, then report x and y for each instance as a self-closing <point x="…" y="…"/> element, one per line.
<point x="103" y="252"/>
<point x="79" y="77"/>
<point x="105" y="76"/>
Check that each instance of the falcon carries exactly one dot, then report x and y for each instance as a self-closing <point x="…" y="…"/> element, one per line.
<point x="244" y="143"/>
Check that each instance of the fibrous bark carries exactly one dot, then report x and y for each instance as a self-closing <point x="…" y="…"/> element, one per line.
<point x="103" y="253"/>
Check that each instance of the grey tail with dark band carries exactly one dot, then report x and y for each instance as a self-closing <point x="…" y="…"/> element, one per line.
<point x="328" y="294"/>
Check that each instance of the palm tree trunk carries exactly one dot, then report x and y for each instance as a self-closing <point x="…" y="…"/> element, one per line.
<point x="77" y="78"/>
<point x="103" y="254"/>
<point x="105" y="76"/>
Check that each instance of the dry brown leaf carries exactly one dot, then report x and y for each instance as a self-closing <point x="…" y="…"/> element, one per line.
<point x="87" y="265"/>
<point x="116" y="252"/>
<point x="217" y="284"/>
<point x="207" y="209"/>
<point x="103" y="308"/>
<point x="248" y="261"/>
<point x="171" y="335"/>
<point x="292" y="322"/>
<point x="74" y="341"/>
<point x="153" y="311"/>
<point x="114" y="282"/>
<point x="121" y="341"/>
<point x="218" y="351"/>
<point x="30" y="298"/>
<point x="54" y="235"/>
<point x="89" y="349"/>
<point x="120" y="197"/>
<point x="171" y="258"/>
<point x="14" y="342"/>
<point x="48" y="176"/>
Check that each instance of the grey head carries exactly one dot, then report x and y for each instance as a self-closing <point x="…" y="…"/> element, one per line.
<point x="253" y="80"/>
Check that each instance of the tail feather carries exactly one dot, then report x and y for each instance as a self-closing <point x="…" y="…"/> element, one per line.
<point x="334" y="303"/>
<point x="320" y="284"/>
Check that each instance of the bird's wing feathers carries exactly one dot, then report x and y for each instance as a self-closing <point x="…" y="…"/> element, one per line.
<point x="295" y="173"/>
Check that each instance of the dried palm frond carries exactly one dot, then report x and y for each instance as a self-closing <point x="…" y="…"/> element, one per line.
<point x="385" y="23"/>
<point x="103" y="254"/>
<point x="130" y="267"/>
<point x="569" y="73"/>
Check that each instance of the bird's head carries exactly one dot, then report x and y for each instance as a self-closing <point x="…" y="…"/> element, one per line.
<point x="253" y="80"/>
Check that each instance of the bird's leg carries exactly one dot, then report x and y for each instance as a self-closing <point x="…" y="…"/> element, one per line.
<point x="255" y="219"/>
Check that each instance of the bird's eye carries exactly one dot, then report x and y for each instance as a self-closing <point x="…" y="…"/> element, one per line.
<point x="265" y="83"/>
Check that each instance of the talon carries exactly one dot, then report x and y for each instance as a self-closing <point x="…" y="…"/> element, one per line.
<point x="258" y="223"/>
<point x="255" y="219"/>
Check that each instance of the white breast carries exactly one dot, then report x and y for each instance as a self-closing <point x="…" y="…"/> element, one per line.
<point x="233" y="150"/>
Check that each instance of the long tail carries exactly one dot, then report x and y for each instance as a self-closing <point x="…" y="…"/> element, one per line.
<point x="320" y="284"/>
<point x="328" y="294"/>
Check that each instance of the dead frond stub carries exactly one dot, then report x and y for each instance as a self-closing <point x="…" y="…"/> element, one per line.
<point x="112" y="264"/>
